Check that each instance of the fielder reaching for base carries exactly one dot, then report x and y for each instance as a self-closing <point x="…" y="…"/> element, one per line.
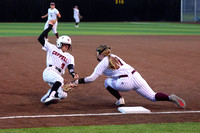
<point x="53" y="15"/>
<point x="123" y="77"/>
<point x="57" y="60"/>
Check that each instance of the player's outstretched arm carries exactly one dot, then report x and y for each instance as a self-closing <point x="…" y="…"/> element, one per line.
<point x="43" y="34"/>
<point x="88" y="79"/>
<point x="70" y="85"/>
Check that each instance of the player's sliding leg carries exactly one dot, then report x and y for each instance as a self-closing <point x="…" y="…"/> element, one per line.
<point x="45" y="96"/>
<point x="53" y="95"/>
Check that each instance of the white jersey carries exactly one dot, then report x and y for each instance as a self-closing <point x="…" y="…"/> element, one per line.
<point x="76" y="12"/>
<point x="52" y="14"/>
<point x="132" y="81"/>
<point x="103" y="68"/>
<point x="56" y="57"/>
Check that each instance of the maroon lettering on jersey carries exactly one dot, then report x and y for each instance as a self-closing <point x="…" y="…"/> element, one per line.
<point x="54" y="52"/>
<point x="60" y="56"/>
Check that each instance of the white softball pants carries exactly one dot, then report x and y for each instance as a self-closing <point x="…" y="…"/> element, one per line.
<point x="77" y="19"/>
<point x="132" y="82"/>
<point x="51" y="75"/>
<point x="54" y="29"/>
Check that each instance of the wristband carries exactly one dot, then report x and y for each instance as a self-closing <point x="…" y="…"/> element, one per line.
<point x="81" y="81"/>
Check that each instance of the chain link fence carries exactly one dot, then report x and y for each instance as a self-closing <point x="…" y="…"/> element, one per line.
<point x="190" y="10"/>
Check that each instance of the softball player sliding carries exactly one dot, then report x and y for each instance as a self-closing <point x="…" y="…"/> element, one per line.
<point x="123" y="77"/>
<point x="53" y="15"/>
<point x="57" y="60"/>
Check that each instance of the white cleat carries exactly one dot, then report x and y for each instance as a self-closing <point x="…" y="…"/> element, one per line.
<point x="52" y="99"/>
<point x="177" y="100"/>
<point x="76" y="26"/>
<point x="120" y="102"/>
<point x="45" y="96"/>
<point x="61" y="95"/>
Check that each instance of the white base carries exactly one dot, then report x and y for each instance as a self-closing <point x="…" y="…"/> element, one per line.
<point x="132" y="110"/>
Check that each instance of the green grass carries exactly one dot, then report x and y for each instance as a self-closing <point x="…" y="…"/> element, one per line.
<point x="136" y="128"/>
<point x="115" y="28"/>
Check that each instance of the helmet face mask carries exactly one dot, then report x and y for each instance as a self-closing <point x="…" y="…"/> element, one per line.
<point x="64" y="40"/>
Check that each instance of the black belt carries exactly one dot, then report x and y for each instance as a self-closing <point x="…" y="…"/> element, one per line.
<point x="122" y="76"/>
<point x="56" y="68"/>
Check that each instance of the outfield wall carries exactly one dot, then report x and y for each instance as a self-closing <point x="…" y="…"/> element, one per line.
<point x="92" y="10"/>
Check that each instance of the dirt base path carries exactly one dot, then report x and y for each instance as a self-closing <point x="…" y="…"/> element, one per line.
<point x="169" y="64"/>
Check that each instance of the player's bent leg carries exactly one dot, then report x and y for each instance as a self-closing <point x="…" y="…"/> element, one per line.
<point x="45" y="96"/>
<point x="52" y="99"/>
<point x="61" y="93"/>
<point x="109" y="86"/>
<point x="55" y="86"/>
<point x="50" y="76"/>
<point x="114" y="92"/>
<point x="120" y="100"/>
<point x="53" y="95"/>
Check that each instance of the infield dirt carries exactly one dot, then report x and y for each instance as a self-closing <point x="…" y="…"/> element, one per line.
<point x="170" y="64"/>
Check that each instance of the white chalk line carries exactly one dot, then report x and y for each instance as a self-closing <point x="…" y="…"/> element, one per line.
<point x="99" y="114"/>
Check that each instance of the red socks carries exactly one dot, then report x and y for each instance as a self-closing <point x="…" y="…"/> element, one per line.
<point x="114" y="92"/>
<point x="162" y="97"/>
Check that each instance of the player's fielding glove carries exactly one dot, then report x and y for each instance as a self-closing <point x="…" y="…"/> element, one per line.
<point x="80" y="17"/>
<point x="68" y="87"/>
